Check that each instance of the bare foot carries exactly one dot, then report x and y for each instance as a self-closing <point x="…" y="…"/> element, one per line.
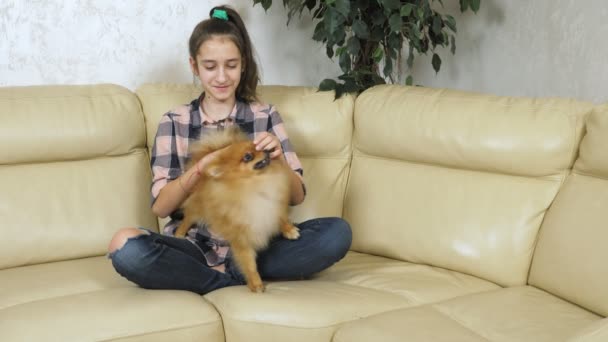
<point x="220" y="268"/>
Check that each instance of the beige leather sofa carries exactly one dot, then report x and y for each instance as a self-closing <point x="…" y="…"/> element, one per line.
<point x="475" y="218"/>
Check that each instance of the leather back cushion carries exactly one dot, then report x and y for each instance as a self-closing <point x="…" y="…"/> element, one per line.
<point x="73" y="170"/>
<point x="456" y="179"/>
<point x="570" y="259"/>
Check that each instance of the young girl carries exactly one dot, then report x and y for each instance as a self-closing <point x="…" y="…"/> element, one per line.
<point x="221" y="57"/>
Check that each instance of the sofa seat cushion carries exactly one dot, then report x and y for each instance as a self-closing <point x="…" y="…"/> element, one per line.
<point x="510" y="314"/>
<point x="596" y="332"/>
<point x="419" y="284"/>
<point x="86" y="300"/>
<point x="358" y="286"/>
<point x="308" y="310"/>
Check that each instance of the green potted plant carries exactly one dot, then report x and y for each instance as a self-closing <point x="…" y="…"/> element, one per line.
<point x="368" y="36"/>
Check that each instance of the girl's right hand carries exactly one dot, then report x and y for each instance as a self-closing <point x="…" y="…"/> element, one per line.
<point x="206" y="160"/>
<point x="188" y="179"/>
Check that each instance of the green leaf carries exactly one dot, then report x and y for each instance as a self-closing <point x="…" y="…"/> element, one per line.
<point x="416" y="33"/>
<point x="388" y="67"/>
<point x="409" y="80"/>
<point x="347" y="77"/>
<point x="437" y="24"/>
<point x="395" y="42"/>
<point x="339" y="36"/>
<point x="320" y="33"/>
<point x="327" y="84"/>
<point x="464" y="5"/>
<point x="410" y="58"/>
<point x="420" y="13"/>
<point x="395" y="22"/>
<point x="360" y="29"/>
<point x="353" y="45"/>
<point x="345" y="62"/>
<point x="360" y="4"/>
<point x="294" y="6"/>
<point x="475" y="5"/>
<point x="350" y="86"/>
<point x="310" y="4"/>
<point x="330" y="51"/>
<point x="378" y="18"/>
<point x="319" y="12"/>
<point x="339" y="91"/>
<point x="378" y="54"/>
<point x="390" y="4"/>
<point x="332" y="20"/>
<point x="436" y="62"/>
<point x="343" y="7"/>
<point x="340" y="50"/>
<point x="377" y="34"/>
<point x="406" y="9"/>
<point x="451" y="23"/>
<point x="265" y="4"/>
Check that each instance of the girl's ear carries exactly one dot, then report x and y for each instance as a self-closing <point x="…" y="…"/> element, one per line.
<point x="193" y="65"/>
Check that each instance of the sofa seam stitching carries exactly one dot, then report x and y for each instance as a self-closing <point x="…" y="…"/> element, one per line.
<point x="556" y="176"/>
<point x="309" y="328"/>
<point x="160" y="331"/>
<point x="587" y="174"/>
<point x="135" y="151"/>
<point x="70" y="295"/>
<point x="492" y="98"/>
<point x="454" y="319"/>
<point x="87" y="96"/>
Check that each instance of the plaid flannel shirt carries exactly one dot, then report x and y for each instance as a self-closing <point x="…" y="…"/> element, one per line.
<point x="187" y="123"/>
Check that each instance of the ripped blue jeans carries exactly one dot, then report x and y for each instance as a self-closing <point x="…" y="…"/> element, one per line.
<point x="156" y="261"/>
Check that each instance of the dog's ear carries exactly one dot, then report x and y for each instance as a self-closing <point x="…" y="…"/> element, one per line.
<point x="214" y="171"/>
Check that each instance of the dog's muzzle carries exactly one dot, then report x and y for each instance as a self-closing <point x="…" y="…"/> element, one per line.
<point x="264" y="162"/>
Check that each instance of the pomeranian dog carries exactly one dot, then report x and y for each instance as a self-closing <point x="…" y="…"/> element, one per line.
<point x="244" y="197"/>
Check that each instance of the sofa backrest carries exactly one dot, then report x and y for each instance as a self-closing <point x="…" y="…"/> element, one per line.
<point x="73" y="169"/>
<point x="319" y="128"/>
<point x="456" y="179"/>
<point x="570" y="260"/>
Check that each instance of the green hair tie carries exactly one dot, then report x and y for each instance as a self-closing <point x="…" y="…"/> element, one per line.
<point x="220" y="14"/>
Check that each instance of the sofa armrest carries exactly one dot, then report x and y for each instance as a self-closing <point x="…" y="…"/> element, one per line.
<point x="596" y="332"/>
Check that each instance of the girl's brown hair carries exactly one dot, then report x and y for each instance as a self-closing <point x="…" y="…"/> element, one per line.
<point x="233" y="28"/>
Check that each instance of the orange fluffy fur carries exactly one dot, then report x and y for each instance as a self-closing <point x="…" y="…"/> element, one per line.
<point x="242" y="195"/>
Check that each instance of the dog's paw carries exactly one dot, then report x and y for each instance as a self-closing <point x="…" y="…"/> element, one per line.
<point x="292" y="234"/>
<point x="256" y="287"/>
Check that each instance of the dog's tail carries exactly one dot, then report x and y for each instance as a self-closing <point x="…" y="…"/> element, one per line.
<point x="214" y="141"/>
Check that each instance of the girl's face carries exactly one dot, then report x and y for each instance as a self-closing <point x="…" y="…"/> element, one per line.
<point x="218" y="65"/>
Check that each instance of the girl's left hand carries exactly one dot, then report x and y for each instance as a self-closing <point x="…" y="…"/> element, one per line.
<point x="268" y="142"/>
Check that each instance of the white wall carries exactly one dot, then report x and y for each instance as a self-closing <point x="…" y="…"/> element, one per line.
<point x="528" y="48"/>
<point x="515" y="47"/>
<point x="138" y="41"/>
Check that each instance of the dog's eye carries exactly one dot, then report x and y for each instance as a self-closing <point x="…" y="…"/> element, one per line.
<point x="247" y="157"/>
